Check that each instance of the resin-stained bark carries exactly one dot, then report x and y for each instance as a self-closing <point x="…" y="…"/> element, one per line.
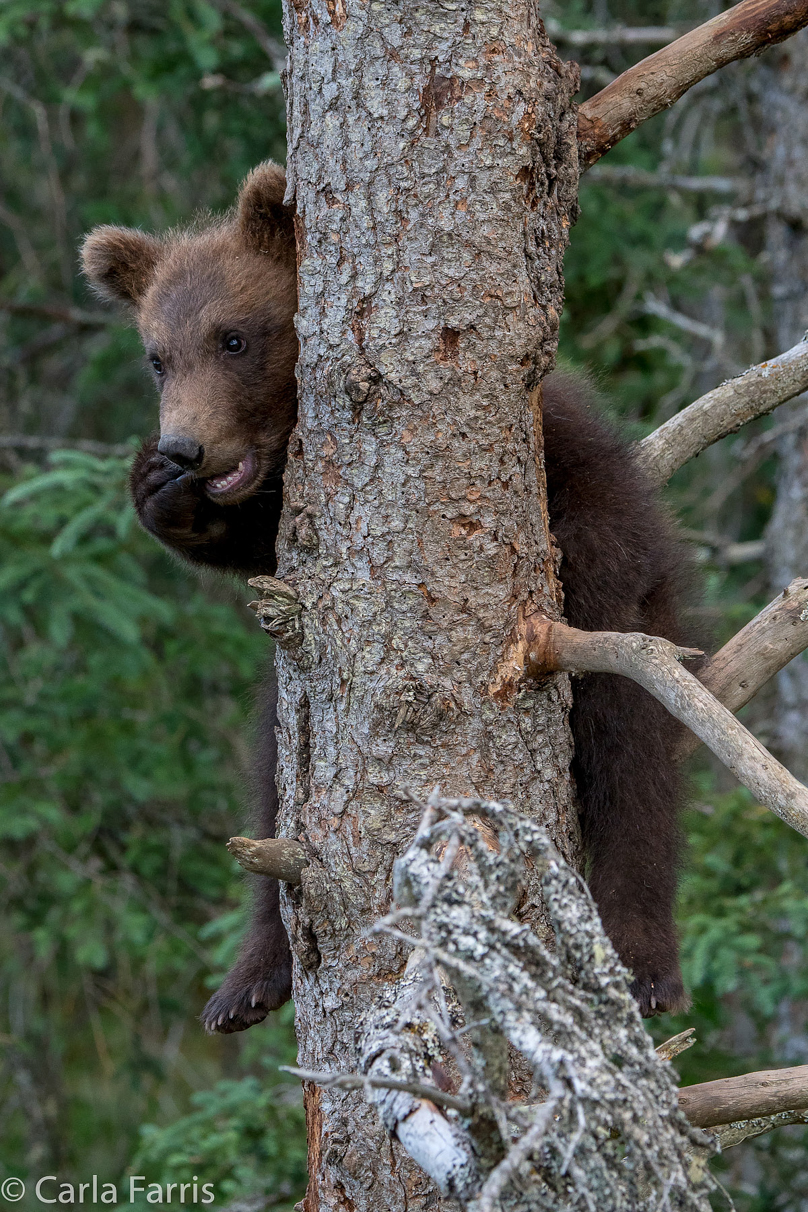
<point x="432" y="160"/>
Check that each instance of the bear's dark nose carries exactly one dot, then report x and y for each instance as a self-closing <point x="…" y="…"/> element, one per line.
<point x="185" y="452"/>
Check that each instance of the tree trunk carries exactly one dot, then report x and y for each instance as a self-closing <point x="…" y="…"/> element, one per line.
<point x="783" y="100"/>
<point x="433" y="163"/>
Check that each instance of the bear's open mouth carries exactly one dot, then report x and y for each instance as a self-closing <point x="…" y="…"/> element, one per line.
<point x="235" y="481"/>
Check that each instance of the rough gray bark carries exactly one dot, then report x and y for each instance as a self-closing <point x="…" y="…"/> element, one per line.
<point x="432" y="158"/>
<point x="782" y="82"/>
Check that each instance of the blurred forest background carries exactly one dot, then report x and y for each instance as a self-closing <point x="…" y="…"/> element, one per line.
<point x="125" y="685"/>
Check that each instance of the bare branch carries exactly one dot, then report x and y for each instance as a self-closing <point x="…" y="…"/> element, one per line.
<point x="279" y="857"/>
<point x="705" y="332"/>
<point x="769" y="1092"/>
<point x="723" y="551"/>
<point x="627" y="174"/>
<point x="654" y="664"/>
<point x="274" y="50"/>
<point x="564" y="1007"/>
<point x="760" y="650"/>
<point x="755" y="393"/>
<point x="354" y="1081"/>
<point x="661" y="79"/>
<point x="63" y="314"/>
<point x="24" y="441"/>
<point x="617" y="35"/>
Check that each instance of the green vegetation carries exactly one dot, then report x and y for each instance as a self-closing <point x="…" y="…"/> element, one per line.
<point x="125" y="683"/>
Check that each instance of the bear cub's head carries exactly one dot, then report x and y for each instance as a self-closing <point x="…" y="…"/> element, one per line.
<point x="214" y="306"/>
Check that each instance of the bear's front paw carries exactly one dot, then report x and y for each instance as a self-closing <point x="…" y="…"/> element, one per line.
<point x="660" y="993"/>
<point x="170" y="503"/>
<point x="246" y="998"/>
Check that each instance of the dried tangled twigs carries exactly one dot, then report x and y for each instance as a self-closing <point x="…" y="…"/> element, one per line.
<point x="600" y="1127"/>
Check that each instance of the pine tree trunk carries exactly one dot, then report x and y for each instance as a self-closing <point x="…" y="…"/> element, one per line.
<point x="433" y="163"/>
<point x="783" y="98"/>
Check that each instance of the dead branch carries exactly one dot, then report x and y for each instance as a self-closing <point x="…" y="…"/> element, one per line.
<point x="565" y="1007"/>
<point x="760" y="650"/>
<point x="22" y="441"/>
<point x="725" y="552"/>
<point x="640" y="178"/>
<point x="676" y="1044"/>
<point x="737" y="1132"/>
<point x="662" y="78"/>
<point x="654" y="664"/>
<point x="616" y="35"/>
<point x="724" y="410"/>
<point x="399" y="1043"/>
<point x="730" y="1099"/>
<point x="354" y="1081"/>
<point x="279" y="857"/>
<point x="63" y="314"/>
<point x="652" y="306"/>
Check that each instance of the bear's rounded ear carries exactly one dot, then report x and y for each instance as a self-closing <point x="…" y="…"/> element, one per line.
<point x="120" y="262"/>
<point x="264" y="223"/>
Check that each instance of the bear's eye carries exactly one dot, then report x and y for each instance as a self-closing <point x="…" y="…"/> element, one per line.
<point x="234" y="344"/>
<point x="159" y="369"/>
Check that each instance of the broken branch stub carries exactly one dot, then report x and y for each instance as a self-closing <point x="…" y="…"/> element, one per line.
<point x="662" y="78"/>
<point x="654" y="663"/>
<point x="722" y="411"/>
<point x="279" y="857"/>
<point x="278" y="611"/>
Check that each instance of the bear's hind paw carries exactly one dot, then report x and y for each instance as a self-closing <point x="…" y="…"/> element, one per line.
<point x="239" y="1005"/>
<point x="662" y="994"/>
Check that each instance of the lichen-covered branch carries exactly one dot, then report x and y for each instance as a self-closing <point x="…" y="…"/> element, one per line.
<point x="759" y="650"/>
<point x="662" y="78"/>
<point x="722" y="411"/>
<point x="735" y="1133"/>
<point x="595" y="1123"/>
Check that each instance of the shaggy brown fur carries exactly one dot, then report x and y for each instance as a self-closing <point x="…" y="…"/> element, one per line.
<point x="214" y="306"/>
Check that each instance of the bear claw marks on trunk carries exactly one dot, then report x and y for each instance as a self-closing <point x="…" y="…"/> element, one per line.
<point x="278" y="611"/>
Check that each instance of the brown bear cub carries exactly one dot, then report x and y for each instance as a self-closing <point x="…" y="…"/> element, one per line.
<point x="215" y="306"/>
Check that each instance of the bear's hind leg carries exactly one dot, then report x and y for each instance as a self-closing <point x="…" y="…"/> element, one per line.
<point x="261" y="978"/>
<point x="629" y="793"/>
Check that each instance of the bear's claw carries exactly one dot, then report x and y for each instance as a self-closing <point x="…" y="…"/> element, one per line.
<point x="663" y="994"/>
<point x="243" y="1001"/>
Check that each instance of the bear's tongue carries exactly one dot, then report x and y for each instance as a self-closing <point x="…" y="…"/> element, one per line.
<point x="232" y="479"/>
